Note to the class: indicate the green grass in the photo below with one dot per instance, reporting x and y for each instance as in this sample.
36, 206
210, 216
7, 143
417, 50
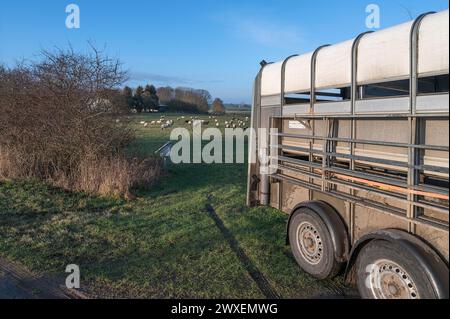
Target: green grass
164, 244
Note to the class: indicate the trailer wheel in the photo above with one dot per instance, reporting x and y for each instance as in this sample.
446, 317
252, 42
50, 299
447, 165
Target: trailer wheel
385, 271
312, 245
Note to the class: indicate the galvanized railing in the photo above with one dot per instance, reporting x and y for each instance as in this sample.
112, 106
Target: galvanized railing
327, 169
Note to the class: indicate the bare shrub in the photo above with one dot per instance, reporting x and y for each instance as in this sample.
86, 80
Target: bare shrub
58, 117
116, 175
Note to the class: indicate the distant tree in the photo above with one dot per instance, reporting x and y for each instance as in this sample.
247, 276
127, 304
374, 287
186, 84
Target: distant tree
180, 106
128, 96
204, 99
150, 98
138, 99
218, 106
199, 98
150, 89
165, 94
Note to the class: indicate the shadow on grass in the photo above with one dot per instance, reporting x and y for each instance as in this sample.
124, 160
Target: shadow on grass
246, 262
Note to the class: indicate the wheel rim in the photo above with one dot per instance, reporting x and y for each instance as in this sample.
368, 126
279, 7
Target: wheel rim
388, 280
309, 243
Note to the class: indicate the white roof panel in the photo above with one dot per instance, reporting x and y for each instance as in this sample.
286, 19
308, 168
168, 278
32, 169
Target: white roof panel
382, 56
298, 74
334, 66
433, 44
271, 79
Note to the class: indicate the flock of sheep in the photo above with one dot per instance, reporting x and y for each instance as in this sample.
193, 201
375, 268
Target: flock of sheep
161, 122
194, 120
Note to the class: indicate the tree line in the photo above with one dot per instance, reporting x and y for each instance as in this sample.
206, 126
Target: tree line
141, 99
181, 99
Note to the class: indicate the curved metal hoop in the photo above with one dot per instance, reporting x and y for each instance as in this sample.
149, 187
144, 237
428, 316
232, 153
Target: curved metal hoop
283, 80
313, 77
413, 60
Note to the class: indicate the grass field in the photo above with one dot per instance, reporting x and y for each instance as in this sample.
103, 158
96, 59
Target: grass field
190, 236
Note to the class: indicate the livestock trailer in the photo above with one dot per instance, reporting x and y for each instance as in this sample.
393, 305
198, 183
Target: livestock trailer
357, 140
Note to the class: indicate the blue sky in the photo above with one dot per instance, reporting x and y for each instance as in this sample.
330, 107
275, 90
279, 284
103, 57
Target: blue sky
215, 45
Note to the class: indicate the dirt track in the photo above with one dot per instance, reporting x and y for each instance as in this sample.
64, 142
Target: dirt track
18, 283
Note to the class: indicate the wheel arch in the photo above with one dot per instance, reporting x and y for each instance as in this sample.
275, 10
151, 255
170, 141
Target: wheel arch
428, 258
334, 223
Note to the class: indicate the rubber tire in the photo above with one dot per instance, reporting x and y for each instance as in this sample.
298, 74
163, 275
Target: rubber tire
328, 267
381, 249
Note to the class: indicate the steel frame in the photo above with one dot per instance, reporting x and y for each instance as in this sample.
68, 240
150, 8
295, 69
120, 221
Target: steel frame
416, 146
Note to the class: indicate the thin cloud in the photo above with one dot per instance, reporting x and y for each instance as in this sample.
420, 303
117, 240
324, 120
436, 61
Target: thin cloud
166, 79
263, 31
268, 34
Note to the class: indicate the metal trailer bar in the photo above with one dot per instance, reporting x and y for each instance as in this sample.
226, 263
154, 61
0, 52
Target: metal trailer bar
368, 142
312, 101
282, 103
392, 211
431, 168
368, 116
256, 122
415, 124
370, 177
353, 98
353, 186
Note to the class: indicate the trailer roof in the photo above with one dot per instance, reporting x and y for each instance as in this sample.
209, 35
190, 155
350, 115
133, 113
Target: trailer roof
382, 56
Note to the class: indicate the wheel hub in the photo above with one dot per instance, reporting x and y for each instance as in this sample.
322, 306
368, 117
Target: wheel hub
309, 243
387, 280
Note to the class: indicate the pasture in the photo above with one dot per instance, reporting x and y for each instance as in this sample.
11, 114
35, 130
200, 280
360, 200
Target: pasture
190, 236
